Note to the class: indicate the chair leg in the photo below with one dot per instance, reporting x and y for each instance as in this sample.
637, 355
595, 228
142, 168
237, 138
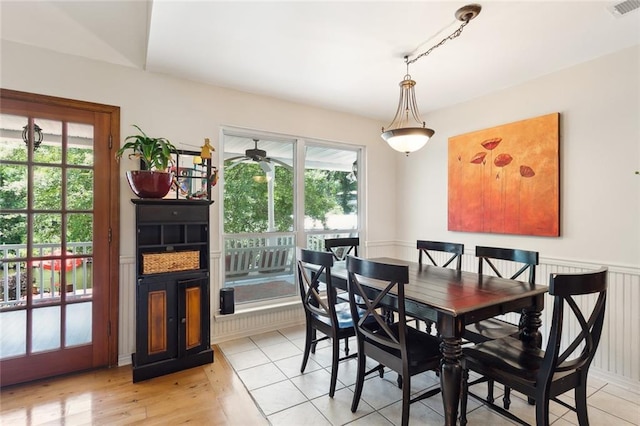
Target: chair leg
406, 397
400, 381
506, 399
334, 365
490, 391
464, 394
581, 404
359, 379
542, 409
313, 341
346, 346
307, 348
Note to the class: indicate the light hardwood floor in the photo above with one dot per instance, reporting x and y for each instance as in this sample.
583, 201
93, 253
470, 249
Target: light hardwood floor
211, 394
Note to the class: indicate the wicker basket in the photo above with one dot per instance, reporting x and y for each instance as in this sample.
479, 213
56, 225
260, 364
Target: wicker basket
155, 263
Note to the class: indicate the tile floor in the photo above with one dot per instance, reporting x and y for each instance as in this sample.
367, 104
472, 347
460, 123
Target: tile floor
269, 366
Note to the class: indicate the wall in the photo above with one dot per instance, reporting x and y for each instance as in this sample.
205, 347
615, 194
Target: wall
599, 103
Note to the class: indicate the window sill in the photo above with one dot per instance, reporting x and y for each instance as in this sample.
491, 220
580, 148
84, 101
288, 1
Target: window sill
258, 309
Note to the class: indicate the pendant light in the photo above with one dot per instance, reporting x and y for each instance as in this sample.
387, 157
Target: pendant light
407, 132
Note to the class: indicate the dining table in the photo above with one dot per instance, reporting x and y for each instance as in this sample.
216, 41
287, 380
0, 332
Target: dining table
453, 299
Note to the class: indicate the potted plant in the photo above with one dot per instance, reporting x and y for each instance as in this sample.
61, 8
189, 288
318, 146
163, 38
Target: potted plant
154, 181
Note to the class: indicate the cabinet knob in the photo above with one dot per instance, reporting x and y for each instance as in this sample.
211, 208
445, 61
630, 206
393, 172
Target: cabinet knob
175, 213
184, 320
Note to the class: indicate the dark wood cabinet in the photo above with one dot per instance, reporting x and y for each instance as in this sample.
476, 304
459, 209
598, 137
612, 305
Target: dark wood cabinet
172, 287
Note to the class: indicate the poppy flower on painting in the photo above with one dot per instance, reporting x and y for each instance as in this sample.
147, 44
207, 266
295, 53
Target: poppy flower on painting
478, 158
503, 160
490, 144
526, 171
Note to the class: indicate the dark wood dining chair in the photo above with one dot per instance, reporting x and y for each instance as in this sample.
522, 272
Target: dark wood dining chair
495, 328
323, 313
342, 247
401, 348
425, 247
543, 375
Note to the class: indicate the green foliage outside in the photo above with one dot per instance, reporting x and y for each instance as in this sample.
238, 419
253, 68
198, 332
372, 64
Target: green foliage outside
246, 201
47, 195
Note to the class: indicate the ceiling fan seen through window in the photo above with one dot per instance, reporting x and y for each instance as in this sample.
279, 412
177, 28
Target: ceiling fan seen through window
259, 156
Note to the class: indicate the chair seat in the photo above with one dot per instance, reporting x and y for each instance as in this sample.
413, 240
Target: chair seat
422, 347
509, 355
490, 329
343, 314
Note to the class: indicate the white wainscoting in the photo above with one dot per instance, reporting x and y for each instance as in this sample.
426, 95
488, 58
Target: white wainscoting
617, 360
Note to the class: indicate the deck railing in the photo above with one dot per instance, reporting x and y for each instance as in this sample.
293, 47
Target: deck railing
263, 255
46, 282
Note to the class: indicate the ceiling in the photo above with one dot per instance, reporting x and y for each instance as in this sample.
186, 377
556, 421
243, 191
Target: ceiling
340, 55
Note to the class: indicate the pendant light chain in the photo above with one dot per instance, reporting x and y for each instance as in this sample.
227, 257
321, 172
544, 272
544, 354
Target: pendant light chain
453, 35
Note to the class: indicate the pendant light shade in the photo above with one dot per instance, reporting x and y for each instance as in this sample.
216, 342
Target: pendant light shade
407, 132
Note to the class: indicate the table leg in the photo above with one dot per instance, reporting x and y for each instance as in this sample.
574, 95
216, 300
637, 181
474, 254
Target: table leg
450, 376
530, 323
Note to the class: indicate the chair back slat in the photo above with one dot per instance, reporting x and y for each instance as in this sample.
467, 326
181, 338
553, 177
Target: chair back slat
566, 290
318, 297
342, 247
530, 259
367, 310
456, 249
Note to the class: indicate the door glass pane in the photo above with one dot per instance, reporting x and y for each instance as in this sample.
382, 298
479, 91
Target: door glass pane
49, 132
80, 144
13, 231
12, 145
79, 189
13, 282
78, 324
15, 342
13, 184
46, 329
47, 188
47, 229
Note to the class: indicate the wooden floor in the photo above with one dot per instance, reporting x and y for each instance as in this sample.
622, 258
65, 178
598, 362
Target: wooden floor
211, 394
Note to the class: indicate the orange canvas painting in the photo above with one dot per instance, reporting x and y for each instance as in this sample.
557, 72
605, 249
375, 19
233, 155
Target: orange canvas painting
506, 179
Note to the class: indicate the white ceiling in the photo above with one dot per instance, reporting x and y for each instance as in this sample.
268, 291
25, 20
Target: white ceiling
341, 55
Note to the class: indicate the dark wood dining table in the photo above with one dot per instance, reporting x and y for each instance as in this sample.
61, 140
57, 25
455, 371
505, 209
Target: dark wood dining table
453, 299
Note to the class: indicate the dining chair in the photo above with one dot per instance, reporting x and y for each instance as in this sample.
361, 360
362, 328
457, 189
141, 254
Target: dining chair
342, 247
424, 250
401, 348
563, 365
322, 312
494, 328
456, 249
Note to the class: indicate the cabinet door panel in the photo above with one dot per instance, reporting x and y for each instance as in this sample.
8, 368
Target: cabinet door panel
193, 309
193, 317
157, 322
156, 334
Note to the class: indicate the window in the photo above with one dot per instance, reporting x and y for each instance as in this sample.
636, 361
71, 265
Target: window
279, 192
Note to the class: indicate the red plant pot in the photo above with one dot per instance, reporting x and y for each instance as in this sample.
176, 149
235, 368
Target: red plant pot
149, 184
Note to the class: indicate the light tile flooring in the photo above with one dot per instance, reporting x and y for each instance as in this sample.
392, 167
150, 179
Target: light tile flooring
269, 366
